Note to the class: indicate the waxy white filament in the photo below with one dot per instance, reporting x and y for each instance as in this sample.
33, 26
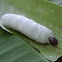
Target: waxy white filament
28, 27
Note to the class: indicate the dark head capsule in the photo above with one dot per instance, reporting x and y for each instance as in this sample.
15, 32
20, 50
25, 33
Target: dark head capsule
53, 41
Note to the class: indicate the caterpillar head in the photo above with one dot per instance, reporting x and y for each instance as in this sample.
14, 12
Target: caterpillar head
53, 41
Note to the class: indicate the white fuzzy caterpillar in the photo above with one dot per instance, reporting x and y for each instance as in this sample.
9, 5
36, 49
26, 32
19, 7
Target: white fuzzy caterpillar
28, 27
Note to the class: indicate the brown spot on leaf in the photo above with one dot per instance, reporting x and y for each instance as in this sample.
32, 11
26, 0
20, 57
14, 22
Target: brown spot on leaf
57, 47
19, 8
60, 27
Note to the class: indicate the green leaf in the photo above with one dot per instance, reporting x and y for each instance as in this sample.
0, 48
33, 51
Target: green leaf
15, 49
58, 2
43, 12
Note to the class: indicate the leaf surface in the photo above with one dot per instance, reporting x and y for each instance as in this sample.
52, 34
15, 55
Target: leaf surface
15, 49
58, 2
43, 12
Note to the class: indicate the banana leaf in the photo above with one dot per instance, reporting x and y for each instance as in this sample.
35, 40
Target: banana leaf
15, 49
58, 2
43, 12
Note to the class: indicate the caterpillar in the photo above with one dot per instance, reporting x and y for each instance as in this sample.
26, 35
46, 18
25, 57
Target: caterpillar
28, 27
